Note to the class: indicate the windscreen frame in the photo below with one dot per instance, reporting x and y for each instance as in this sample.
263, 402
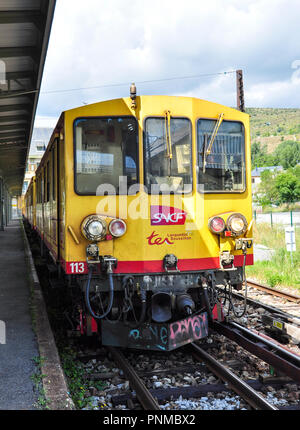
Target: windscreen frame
191, 155
201, 191
137, 184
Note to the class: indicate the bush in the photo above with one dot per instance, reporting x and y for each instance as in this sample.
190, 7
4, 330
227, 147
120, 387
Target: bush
274, 279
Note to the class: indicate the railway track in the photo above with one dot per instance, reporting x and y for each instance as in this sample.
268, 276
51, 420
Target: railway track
273, 291
269, 308
284, 361
143, 394
282, 317
243, 389
270, 352
256, 343
150, 399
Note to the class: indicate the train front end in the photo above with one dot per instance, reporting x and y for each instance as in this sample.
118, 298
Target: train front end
158, 216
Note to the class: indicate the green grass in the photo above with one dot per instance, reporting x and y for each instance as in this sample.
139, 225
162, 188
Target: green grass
77, 383
279, 271
37, 378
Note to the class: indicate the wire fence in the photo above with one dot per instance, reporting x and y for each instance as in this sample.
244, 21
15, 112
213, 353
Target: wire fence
290, 218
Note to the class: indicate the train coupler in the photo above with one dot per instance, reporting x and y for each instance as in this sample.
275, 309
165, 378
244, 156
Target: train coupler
108, 263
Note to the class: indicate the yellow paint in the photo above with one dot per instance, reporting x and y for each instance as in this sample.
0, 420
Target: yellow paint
196, 241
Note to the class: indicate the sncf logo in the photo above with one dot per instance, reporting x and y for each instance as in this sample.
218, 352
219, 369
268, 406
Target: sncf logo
165, 215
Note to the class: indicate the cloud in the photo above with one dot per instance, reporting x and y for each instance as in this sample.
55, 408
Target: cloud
45, 121
99, 42
286, 91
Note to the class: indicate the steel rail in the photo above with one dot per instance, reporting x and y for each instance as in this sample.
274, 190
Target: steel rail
282, 360
143, 394
274, 292
239, 386
294, 319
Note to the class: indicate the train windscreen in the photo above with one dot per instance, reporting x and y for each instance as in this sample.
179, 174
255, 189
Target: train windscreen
106, 155
168, 155
222, 169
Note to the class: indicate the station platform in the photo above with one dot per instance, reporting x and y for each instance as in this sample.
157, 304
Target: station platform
18, 345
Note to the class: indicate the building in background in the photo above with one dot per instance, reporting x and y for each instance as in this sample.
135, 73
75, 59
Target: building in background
255, 174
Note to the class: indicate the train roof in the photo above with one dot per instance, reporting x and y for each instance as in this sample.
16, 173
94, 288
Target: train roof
145, 99
160, 100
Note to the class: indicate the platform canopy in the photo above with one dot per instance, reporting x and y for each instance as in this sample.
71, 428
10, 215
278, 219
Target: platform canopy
24, 35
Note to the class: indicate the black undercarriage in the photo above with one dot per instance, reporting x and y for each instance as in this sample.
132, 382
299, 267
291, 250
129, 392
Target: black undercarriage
156, 311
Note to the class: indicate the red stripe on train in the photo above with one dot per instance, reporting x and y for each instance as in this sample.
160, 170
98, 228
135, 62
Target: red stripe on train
154, 266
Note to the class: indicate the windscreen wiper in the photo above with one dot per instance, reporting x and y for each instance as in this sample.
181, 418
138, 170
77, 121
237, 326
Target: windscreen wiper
207, 151
169, 153
168, 133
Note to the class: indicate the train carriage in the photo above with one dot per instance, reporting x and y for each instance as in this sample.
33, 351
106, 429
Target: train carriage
145, 205
29, 205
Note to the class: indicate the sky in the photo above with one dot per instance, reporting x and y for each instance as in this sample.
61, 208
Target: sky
104, 43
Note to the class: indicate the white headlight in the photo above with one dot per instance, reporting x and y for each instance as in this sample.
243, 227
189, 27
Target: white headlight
237, 223
93, 228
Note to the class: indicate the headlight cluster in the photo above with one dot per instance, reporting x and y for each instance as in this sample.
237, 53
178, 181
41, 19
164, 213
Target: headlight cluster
94, 228
236, 224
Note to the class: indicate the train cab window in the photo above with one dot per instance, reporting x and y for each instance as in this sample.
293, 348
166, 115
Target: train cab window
223, 168
168, 156
106, 156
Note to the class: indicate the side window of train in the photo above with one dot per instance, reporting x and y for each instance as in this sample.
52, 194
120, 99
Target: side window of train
168, 159
223, 168
38, 189
106, 155
45, 184
53, 158
48, 181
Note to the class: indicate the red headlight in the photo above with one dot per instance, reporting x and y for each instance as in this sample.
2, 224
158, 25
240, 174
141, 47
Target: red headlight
117, 228
216, 224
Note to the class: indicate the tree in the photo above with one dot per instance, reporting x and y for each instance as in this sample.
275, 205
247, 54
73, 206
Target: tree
287, 186
266, 194
287, 154
296, 171
277, 188
260, 157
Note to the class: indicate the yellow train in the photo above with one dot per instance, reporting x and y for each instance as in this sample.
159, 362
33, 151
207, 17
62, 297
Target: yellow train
144, 203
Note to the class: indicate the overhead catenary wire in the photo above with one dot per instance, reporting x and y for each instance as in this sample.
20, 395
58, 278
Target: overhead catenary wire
139, 82
150, 81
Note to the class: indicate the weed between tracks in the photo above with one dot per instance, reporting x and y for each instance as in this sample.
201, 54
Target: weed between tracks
279, 271
78, 382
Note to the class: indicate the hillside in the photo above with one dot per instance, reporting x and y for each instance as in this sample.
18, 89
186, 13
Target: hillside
271, 126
